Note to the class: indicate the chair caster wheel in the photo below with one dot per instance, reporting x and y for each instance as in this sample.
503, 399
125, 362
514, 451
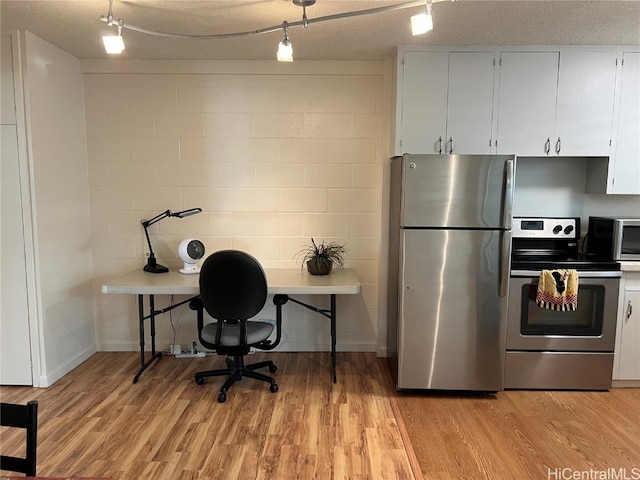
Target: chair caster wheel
228, 362
200, 380
273, 387
273, 369
222, 397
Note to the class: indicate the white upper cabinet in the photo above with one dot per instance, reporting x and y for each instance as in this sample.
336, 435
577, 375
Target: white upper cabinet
626, 161
470, 106
527, 102
446, 102
556, 103
573, 102
424, 102
584, 117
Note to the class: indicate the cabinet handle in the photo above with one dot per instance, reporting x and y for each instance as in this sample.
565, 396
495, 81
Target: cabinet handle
629, 310
558, 146
440, 145
547, 146
450, 145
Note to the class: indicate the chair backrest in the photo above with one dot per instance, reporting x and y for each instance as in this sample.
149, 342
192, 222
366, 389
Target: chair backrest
26, 417
233, 285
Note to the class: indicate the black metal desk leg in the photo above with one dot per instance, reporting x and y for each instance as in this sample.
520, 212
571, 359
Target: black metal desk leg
152, 319
333, 336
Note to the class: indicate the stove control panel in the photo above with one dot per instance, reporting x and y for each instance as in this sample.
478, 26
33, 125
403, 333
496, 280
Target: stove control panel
567, 228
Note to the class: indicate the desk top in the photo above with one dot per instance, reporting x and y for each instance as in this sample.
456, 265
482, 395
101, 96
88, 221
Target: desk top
279, 280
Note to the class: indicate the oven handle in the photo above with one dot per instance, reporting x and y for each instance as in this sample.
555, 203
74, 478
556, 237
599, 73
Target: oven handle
581, 274
505, 255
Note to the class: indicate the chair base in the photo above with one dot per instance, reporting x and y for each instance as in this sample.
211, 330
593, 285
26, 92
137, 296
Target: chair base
237, 369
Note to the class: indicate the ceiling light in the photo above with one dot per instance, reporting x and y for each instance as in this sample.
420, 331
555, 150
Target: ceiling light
285, 49
113, 44
285, 45
422, 22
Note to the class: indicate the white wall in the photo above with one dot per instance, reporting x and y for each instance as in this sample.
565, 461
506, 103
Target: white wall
274, 154
57, 165
555, 187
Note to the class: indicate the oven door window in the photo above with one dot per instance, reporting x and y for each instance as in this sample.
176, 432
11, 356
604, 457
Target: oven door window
585, 321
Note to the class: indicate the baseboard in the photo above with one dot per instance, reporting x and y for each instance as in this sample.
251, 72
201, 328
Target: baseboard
285, 346
625, 384
50, 378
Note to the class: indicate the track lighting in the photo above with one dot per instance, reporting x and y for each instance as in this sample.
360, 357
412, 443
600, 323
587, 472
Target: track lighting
285, 49
422, 22
113, 44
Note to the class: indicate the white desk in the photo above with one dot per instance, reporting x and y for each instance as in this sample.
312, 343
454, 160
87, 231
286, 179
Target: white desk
281, 282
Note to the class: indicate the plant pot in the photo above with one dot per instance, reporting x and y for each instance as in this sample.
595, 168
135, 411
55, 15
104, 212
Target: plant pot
319, 266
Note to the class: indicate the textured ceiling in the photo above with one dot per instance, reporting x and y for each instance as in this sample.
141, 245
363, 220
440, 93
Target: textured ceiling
75, 26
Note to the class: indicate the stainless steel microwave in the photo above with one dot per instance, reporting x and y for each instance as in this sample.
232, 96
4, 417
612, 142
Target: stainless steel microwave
614, 238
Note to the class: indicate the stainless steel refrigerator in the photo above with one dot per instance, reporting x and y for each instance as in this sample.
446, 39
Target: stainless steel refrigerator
450, 248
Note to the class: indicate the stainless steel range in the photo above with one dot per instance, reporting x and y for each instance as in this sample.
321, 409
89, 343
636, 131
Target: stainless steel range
548, 349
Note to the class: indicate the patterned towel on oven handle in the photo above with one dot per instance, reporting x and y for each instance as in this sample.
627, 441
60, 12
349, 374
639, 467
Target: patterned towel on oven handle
558, 290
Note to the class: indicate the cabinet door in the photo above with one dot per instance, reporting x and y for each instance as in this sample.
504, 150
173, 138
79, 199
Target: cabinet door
629, 351
470, 105
584, 116
527, 102
424, 101
627, 155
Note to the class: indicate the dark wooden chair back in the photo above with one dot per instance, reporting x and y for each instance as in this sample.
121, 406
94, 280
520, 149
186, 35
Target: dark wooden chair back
26, 417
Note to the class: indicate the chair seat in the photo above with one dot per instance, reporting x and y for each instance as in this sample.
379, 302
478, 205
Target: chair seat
256, 333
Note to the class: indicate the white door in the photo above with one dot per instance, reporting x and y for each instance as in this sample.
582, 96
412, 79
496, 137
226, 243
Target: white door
424, 102
627, 155
15, 346
527, 102
470, 105
584, 117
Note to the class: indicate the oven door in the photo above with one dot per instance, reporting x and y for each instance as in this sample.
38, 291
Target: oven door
591, 328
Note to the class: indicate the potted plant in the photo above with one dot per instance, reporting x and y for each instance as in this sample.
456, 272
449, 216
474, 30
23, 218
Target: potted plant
320, 258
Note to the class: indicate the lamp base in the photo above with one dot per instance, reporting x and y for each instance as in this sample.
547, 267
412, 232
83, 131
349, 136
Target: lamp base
157, 268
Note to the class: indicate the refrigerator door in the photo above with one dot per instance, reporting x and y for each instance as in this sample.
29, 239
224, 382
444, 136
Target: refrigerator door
461, 191
452, 318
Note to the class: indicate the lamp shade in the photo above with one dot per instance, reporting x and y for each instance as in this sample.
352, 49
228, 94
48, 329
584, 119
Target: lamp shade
421, 23
285, 51
113, 44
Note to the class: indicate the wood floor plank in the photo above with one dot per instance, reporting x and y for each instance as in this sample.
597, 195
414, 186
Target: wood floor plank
95, 422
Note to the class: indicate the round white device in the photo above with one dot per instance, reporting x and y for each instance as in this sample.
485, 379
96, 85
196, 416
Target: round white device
191, 250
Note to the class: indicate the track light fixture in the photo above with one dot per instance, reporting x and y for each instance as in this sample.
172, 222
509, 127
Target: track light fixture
113, 44
425, 19
422, 22
285, 49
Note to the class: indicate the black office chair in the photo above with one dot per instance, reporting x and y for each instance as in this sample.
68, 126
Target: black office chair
233, 289
26, 417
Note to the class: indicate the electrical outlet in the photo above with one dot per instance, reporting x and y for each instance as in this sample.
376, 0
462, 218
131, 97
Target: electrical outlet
175, 349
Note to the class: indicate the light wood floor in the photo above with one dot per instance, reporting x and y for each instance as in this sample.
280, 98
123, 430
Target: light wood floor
525, 434
94, 422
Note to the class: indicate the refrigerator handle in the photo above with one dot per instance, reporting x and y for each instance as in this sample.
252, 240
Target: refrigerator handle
507, 208
505, 259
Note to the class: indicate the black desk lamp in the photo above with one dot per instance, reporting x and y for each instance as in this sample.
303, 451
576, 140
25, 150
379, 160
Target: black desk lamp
151, 265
